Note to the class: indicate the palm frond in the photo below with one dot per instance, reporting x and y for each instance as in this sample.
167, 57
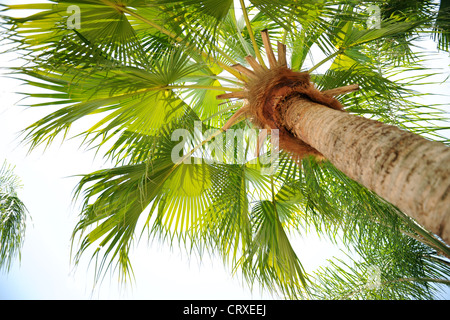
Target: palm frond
270, 259
137, 71
13, 216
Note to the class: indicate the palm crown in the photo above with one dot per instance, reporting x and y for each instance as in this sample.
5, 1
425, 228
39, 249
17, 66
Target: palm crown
135, 71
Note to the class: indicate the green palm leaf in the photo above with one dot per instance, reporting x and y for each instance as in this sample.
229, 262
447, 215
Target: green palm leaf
13, 215
271, 259
137, 71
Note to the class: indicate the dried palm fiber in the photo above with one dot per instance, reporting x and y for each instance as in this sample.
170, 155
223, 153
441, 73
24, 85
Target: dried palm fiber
267, 92
266, 96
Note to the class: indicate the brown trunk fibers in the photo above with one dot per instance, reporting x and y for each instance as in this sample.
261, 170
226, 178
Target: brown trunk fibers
405, 169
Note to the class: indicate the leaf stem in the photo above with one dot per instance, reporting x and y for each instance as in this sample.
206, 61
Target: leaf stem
229, 108
250, 32
218, 88
331, 56
128, 94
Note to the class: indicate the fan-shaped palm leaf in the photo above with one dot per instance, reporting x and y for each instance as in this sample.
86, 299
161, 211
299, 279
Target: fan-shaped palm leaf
143, 69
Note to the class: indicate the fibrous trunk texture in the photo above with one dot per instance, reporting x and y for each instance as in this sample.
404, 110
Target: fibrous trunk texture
407, 170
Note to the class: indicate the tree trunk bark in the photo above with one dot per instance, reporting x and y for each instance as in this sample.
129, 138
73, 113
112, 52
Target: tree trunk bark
405, 169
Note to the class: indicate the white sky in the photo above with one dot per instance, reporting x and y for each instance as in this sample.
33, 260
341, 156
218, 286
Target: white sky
46, 272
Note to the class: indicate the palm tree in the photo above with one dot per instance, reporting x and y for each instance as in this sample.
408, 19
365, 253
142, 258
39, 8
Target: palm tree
12, 217
138, 71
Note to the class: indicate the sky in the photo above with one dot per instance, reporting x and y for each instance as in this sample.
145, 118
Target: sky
46, 270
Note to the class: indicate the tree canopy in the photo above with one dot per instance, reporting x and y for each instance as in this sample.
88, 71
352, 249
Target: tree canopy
135, 71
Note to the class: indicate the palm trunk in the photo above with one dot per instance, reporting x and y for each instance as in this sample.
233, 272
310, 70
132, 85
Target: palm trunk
405, 169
